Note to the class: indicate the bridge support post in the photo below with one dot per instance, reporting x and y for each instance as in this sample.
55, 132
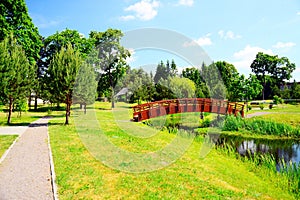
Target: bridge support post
201, 115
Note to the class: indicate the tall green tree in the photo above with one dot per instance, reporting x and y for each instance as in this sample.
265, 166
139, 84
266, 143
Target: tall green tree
53, 44
14, 18
17, 75
85, 88
112, 57
194, 74
228, 73
161, 72
278, 68
61, 76
244, 89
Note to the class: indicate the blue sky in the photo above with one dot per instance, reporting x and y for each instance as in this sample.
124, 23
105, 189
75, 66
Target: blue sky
230, 30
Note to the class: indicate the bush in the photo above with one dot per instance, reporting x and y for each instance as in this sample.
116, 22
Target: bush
277, 100
261, 106
233, 123
249, 107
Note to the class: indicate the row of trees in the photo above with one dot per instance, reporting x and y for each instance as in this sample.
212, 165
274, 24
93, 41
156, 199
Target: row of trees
63, 67
67, 67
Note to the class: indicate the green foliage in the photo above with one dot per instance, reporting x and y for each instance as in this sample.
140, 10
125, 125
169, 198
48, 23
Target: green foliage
85, 88
259, 126
61, 76
261, 106
21, 106
277, 100
182, 87
194, 74
112, 59
14, 18
279, 69
233, 123
17, 75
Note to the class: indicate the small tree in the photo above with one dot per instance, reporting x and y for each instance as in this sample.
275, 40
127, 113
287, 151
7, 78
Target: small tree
85, 88
17, 75
61, 76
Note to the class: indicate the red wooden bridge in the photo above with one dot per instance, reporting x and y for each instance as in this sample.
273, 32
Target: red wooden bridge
165, 107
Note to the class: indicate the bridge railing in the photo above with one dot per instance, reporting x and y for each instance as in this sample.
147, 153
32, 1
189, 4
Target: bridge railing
159, 108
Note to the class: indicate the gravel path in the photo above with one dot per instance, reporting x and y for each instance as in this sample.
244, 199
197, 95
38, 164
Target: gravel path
12, 130
25, 173
257, 114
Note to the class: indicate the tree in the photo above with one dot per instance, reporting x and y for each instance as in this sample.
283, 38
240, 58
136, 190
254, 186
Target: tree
278, 68
53, 44
161, 72
175, 87
17, 75
244, 89
112, 57
85, 87
194, 74
61, 76
14, 19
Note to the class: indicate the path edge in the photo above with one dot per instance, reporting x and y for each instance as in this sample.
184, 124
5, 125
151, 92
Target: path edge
52, 171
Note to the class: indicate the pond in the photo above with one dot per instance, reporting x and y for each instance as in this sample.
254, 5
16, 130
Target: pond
289, 150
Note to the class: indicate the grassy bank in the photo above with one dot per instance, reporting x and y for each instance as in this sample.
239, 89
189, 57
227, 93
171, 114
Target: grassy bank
5, 142
217, 176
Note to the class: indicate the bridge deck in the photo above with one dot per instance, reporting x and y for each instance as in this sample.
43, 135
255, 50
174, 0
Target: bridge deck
165, 107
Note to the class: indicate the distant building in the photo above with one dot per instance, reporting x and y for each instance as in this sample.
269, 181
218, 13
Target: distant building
287, 85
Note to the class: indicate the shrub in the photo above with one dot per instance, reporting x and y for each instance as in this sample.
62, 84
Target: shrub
249, 107
233, 123
261, 106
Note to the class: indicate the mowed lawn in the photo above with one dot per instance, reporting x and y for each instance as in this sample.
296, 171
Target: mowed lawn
79, 175
5, 142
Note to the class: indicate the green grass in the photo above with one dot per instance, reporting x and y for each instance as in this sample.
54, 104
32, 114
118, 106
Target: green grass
217, 176
5, 142
25, 119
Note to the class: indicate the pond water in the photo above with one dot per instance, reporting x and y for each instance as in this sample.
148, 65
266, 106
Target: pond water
289, 150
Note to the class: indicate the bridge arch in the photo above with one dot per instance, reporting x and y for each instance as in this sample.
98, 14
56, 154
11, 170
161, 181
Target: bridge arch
166, 107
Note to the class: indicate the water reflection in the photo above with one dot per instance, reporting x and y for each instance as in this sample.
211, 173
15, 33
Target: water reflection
289, 150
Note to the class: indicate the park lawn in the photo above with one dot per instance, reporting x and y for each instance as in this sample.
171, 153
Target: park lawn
217, 176
5, 142
25, 119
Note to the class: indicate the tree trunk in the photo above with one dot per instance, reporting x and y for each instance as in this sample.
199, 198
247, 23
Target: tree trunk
112, 98
67, 115
10, 110
85, 109
29, 101
35, 102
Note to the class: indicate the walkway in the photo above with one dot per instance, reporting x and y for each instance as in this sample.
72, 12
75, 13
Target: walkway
25, 173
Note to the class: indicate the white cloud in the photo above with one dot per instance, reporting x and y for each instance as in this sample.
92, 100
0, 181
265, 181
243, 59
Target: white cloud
298, 13
186, 2
244, 57
127, 17
143, 10
202, 41
281, 45
228, 35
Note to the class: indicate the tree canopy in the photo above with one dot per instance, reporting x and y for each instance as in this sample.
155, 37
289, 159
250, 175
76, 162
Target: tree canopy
17, 75
61, 76
112, 59
14, 19
279, 69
